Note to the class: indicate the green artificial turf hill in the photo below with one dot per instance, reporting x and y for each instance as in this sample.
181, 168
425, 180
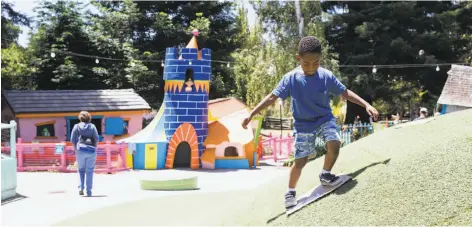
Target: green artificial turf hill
413, 174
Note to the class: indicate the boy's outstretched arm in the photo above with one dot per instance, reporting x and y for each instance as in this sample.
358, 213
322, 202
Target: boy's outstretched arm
353, 97
266, 102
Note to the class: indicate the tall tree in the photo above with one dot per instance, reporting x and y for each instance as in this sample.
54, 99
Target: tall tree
11, 22
16, 69
60, 30
122, 44
270, 51
464, 20
381, 33
17, 72
111, 33
159, 25
116, 30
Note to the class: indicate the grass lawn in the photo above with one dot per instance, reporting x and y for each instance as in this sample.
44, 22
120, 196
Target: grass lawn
412, 175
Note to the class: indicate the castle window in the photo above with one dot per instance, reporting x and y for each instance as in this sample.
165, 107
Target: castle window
189, 82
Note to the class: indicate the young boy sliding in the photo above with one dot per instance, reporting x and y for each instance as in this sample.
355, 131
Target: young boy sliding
309, 86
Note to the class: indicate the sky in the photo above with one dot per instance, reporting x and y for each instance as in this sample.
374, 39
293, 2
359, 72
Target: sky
27, 6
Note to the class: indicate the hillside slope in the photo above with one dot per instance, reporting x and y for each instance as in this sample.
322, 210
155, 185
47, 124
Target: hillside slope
417, 174
427, 180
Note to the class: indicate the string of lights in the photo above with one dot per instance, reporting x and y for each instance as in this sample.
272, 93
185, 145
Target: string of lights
399, 65
98, 58
374, 67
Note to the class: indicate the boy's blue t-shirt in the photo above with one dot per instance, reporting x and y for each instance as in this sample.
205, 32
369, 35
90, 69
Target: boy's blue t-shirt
310, 97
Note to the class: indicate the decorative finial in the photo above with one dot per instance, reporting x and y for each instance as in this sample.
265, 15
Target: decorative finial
195, 32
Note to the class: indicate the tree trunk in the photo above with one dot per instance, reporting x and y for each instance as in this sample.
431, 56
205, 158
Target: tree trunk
299, 18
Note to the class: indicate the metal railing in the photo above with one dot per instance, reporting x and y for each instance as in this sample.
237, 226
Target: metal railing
280, 148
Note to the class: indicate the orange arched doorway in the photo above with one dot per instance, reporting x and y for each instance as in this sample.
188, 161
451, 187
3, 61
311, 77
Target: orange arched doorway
184, 139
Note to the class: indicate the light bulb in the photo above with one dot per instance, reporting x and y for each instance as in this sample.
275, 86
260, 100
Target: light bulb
190, 62
162, 64
97, 61
437, 68
53, 54
421, 52
374, 70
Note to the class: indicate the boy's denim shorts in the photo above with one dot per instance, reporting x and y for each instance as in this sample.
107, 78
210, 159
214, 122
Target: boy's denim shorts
307, 143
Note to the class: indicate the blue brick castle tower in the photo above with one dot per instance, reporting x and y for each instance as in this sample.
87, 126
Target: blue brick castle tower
187, 83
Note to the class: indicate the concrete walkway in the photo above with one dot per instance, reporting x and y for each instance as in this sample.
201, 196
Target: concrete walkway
52, 197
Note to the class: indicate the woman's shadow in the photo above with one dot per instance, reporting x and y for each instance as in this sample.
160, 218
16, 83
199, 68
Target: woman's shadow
344, 188
95, 196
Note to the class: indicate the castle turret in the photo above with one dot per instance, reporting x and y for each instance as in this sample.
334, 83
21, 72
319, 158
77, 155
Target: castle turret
187, 83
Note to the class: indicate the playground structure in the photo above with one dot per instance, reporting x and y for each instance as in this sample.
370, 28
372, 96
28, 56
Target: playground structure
184, 132
114, 157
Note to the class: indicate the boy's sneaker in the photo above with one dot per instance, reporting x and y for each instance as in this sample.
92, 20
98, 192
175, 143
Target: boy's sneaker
329, 179
290, 199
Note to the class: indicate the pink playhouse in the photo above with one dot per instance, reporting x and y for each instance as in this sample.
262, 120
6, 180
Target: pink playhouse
45, 120
47, 116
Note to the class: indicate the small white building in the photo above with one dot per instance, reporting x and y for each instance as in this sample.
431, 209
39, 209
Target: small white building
457, 92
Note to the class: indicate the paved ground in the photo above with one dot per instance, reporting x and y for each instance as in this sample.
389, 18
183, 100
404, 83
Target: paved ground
52, 197
415, 175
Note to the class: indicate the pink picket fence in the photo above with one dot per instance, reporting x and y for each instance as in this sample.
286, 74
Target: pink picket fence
60, 157
277, 148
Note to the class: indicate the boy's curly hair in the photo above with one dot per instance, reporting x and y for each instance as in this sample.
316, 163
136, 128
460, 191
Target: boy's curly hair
309, 44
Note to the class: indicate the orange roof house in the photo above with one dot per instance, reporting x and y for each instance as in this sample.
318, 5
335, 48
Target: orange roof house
227, 139
223, 107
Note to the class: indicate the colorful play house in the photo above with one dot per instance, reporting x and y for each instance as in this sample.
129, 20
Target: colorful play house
184, 133
48, 116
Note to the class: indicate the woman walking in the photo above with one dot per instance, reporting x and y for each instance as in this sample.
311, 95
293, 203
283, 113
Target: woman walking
84, 138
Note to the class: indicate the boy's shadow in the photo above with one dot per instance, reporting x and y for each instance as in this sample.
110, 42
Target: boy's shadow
344, 188
353, 182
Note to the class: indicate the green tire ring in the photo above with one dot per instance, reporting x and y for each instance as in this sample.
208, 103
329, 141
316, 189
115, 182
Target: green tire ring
180, 184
